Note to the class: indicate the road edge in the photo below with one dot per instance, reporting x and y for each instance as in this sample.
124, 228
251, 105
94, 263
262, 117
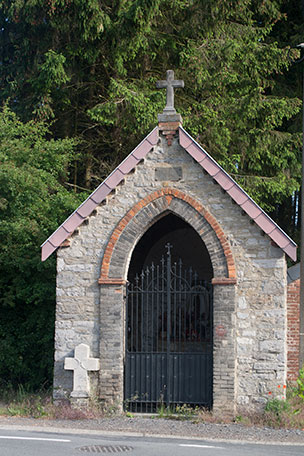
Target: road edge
101, 432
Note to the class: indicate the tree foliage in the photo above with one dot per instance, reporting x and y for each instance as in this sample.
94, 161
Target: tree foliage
93, 66
90, 68
33, 201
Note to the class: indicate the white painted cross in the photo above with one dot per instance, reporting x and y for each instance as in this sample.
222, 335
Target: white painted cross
81, 364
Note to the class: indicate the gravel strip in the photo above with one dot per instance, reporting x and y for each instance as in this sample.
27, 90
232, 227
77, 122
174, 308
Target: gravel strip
164, 427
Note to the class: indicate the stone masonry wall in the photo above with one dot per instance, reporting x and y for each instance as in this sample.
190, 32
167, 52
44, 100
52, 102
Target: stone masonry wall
293, 330
255, 332
77, 316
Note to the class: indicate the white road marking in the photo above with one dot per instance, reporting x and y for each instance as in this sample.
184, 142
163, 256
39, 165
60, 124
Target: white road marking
200, 446
12, 437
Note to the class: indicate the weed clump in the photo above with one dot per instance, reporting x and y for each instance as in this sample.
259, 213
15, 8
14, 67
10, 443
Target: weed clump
22, 403
279, 412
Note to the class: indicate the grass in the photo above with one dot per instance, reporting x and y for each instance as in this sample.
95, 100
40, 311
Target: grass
278, 413
22, 403
179, 412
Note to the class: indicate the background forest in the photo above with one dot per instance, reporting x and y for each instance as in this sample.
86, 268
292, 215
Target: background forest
78, 93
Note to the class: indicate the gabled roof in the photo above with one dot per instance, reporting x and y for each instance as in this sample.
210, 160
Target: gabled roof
87, 207
278, 236
241, 198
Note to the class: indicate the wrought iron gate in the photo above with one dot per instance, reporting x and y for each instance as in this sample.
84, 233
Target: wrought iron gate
168, 338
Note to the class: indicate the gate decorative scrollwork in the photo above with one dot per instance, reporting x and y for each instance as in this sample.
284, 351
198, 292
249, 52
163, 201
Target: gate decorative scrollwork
168, 338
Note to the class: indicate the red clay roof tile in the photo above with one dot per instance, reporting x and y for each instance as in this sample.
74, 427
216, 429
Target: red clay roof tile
128, 164
72, 222
87, 207
101, 193
59, 236
210, 166
223, 180
195, 153
115, 178
47, 250
237, 194
291, 251
278, 237
153, 137
142, 150
265, 223
184, 139
251, 208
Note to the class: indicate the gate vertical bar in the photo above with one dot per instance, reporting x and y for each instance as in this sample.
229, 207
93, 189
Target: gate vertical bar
169, 246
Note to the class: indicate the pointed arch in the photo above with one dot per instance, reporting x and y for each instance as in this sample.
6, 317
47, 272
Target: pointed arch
147, 211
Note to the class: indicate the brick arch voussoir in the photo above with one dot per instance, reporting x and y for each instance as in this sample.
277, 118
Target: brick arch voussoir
114, 247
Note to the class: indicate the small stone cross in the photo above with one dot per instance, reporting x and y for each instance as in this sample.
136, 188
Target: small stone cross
170, 83
81, 364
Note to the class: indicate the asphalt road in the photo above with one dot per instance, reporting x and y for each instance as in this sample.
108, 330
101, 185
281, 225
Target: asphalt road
30, 443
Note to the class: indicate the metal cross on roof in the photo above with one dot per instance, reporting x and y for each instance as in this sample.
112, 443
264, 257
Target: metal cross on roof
170, 83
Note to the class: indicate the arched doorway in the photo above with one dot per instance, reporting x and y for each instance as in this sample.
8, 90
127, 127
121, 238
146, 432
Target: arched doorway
169, 313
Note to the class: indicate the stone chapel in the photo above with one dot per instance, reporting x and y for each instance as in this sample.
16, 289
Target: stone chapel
171, 284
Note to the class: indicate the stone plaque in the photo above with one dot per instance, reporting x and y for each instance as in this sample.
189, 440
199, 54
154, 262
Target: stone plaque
172, 173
